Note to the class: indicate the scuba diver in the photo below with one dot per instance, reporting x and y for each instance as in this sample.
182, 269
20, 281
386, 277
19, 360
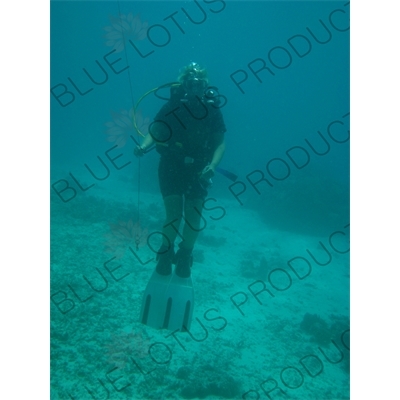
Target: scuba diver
188, 133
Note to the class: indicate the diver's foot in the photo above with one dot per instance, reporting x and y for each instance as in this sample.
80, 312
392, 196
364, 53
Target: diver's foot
165, 256
183, 261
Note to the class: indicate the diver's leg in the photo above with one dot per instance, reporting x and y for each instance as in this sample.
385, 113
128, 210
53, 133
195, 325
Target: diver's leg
165, 255
173, 210
194, 223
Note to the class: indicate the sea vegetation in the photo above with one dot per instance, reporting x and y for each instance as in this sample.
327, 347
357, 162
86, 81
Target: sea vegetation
255, 265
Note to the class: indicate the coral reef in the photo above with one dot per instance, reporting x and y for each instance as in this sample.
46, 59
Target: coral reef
306, 203
255, 265
317, 328
124, 345
321, 331
212, 241
198, 256
213, 383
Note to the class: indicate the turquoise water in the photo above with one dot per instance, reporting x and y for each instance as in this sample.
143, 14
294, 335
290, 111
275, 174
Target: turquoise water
271, 265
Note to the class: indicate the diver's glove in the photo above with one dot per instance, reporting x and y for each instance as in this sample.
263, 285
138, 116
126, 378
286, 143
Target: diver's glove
139, 151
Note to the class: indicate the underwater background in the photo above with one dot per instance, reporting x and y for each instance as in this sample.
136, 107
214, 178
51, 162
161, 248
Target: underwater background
271, 265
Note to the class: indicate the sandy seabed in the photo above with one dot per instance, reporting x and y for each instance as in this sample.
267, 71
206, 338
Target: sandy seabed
271, 317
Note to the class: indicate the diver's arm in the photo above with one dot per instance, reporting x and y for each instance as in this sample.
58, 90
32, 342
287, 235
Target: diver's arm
209, 171
218, 154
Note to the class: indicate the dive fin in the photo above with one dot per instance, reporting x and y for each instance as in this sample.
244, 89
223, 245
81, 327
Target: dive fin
168, 302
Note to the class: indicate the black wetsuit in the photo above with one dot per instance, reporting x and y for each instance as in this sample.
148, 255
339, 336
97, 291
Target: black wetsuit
187, 132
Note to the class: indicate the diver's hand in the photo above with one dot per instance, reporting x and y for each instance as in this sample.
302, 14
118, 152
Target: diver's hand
139, 151
208, 172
